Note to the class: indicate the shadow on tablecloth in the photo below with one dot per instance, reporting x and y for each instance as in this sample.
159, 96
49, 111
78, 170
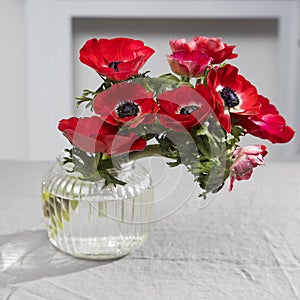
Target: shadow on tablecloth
28, 255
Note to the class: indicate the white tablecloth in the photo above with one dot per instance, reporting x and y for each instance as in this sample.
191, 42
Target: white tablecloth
242, 245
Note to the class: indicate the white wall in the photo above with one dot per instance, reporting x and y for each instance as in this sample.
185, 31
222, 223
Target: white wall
13, 118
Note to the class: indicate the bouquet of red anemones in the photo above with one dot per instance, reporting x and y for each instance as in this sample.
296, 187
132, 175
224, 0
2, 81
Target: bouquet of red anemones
193, 117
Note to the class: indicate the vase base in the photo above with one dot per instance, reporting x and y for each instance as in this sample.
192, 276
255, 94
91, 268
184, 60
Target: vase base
105, 248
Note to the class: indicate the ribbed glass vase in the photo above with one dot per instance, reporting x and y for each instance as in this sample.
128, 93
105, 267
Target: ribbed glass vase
88, 220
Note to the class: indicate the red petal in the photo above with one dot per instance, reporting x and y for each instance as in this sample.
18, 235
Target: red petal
123, 144
65, 124
98, 54
172, 101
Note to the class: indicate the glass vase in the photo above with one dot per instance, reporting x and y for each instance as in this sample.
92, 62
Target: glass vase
88, 220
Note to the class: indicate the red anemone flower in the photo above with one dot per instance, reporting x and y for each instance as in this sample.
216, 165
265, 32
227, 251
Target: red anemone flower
236, 93
182, 108
91, 134
126, 103
188, 64
267, 124
246, 159
216, 105
117, 59
212, 47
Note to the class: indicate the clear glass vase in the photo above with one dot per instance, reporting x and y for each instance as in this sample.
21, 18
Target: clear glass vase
88, 220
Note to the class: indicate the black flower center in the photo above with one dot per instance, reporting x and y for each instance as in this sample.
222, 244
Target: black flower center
230, 97
187, 110
114, 65
127, 109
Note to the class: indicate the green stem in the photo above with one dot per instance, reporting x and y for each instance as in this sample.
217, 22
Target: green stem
150, 150
185, 79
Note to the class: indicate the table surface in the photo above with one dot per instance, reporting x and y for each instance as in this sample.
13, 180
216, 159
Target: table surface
239, 245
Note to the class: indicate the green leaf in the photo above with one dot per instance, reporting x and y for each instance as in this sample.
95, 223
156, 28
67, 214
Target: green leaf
170, 76
59, 223
58, 209
74, 204
53, 220
66, 215
65, 205
110, 179
159, 85
54, 231
45, 196
237, 131
92, 166
174, 164
168, 148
